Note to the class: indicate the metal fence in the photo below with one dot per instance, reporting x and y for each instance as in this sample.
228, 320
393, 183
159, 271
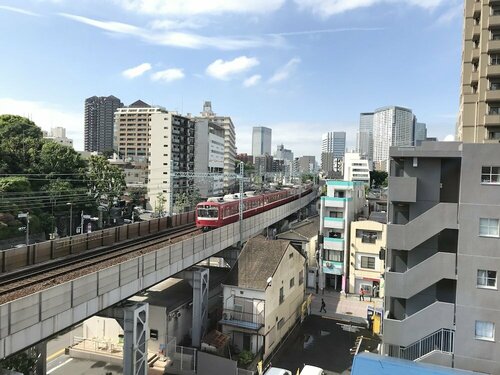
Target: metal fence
441, 340
184, 359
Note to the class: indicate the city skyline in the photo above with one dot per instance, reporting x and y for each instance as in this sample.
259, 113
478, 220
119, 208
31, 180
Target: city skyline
272, 66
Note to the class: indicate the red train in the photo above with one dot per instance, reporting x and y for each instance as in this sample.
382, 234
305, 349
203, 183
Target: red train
217, 212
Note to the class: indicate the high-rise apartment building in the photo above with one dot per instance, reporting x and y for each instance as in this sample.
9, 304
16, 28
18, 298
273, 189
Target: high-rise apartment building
443, 238
364, 141
132, 131
356, 168
99, 122
286, 157
261, 141
229, 141
392, 126
172, 139
479, 115
58, 135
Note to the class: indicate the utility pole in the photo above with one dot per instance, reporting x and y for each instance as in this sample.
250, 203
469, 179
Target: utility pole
70, 218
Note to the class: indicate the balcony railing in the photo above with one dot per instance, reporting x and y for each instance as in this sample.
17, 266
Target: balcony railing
442, 340
243, 319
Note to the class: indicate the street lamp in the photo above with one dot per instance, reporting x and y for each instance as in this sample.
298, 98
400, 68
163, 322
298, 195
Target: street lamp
70, 218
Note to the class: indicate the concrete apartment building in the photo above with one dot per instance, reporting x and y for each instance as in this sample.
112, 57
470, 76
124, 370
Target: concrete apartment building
209, 157
261, 141
364, 140
99, 122
263, 296
306, 164
368, 237
479, 115
392, 126
132, 131
172, 140
344, 202
442, 301
229, 141
356, 168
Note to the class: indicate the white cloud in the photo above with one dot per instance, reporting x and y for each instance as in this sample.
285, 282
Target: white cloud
178, 39
200, 7
225, 70
168, 75
284, 72
449, 138
47, 116
171, 24
136, 71
326, 8
19, 10
252, 81
450, 14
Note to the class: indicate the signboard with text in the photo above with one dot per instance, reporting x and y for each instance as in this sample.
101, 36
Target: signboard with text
333, 268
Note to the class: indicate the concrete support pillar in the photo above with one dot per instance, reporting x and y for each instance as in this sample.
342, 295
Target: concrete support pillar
200, 305
41, 361
136, 331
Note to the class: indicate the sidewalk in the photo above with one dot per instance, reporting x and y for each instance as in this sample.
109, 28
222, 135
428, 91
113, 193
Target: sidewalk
340, 307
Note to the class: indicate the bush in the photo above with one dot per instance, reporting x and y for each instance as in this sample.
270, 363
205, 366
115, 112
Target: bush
245, 358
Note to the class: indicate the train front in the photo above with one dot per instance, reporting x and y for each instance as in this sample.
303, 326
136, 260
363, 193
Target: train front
207, 215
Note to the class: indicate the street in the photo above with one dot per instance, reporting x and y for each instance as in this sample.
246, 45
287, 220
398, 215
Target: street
323, 342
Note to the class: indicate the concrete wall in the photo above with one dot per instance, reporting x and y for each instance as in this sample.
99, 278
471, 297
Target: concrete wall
33, 318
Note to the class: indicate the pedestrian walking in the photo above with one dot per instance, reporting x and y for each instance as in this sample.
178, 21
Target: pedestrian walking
323, 305
361, 294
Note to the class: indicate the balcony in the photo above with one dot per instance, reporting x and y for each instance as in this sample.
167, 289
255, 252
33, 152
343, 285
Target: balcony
335, 202
334, 222
493, 21
240, 319
470, 98
431, 222
492, 95
494, 45
475, 54
474, 77
430, 319
492, 120
403, 189
493, 70
406, 284
333, 243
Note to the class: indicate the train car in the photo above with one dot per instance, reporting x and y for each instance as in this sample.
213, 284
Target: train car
215, 213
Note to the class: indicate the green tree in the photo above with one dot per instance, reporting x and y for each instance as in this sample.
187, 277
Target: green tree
57, 159
378, 179
23, 362
181, 202
106, 182
20, 143
14, 184
160, 204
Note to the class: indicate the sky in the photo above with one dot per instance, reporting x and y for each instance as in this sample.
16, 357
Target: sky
300, 67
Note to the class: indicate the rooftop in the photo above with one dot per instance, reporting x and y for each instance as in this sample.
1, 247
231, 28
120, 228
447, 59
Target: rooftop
302, 231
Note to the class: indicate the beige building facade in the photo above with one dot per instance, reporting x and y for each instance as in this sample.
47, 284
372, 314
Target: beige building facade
367, 269
479, 116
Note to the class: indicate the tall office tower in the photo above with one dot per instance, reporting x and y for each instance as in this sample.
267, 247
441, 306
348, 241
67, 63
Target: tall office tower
442, 302
364, 142
392, 126
261, 141
132, 131
99, 122
209, 157
479, 114
332, 151
229, 141
172, 149
306, 164
419, 133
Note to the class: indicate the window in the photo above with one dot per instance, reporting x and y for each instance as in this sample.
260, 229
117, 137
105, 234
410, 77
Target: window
368, 262
281, 323
282, 295
292, 282
488, 227
334, 256
494, 109
495, 10
495, 59
490, 175
486, 279
495, 84
367, 236
495, 34
301, 277
485, 330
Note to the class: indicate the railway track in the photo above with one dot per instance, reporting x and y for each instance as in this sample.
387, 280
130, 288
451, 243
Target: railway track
46, 274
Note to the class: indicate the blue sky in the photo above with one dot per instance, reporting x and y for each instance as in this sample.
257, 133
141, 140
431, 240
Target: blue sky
301, 67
